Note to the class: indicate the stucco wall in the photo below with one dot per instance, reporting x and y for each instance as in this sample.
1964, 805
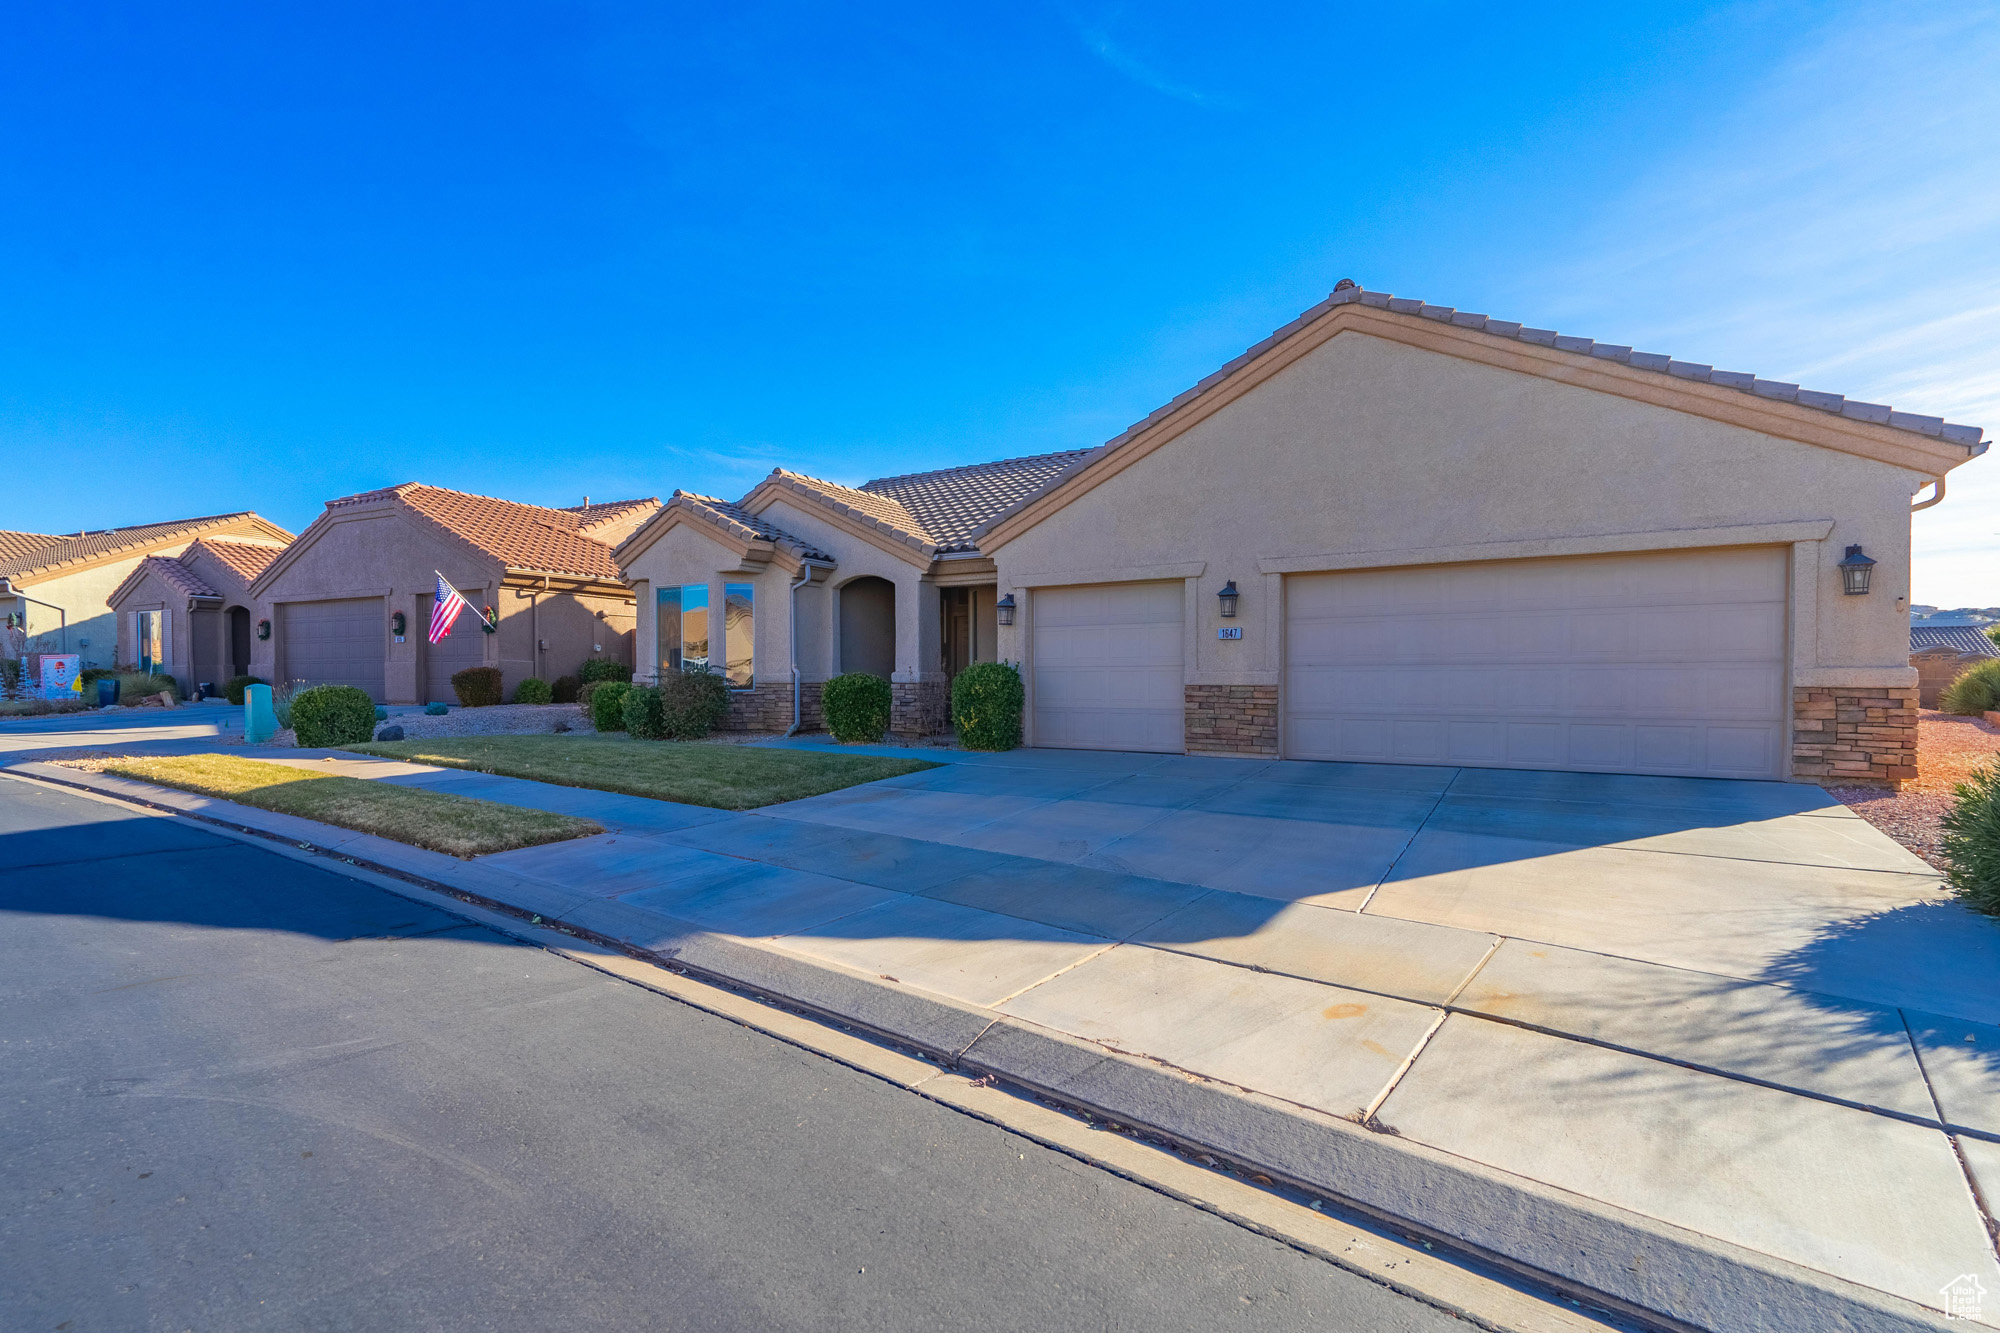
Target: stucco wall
918, 630
1368, 453
685, 554
85, 595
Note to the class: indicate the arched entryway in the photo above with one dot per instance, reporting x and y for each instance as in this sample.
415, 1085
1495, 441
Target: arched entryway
868, 626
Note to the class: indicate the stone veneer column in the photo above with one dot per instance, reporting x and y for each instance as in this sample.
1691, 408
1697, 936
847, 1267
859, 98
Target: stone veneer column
1232, 719
768, 707
1856, 735
919, 708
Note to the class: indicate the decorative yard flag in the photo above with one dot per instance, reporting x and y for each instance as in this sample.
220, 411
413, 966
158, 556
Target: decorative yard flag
448, 604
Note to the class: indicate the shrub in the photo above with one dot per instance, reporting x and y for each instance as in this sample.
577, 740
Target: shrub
986, 701
332, 715
604, 668
436, 710
1977, 690
237, 684
477, 687
565, 689
607, 705
136, 685
1971, 843
91, 675
534, 690
639, 712
692, 704
856, 706
11, 669
583, 693
281, 701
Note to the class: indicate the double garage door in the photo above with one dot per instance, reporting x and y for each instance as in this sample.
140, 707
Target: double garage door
336, 643
1667, 663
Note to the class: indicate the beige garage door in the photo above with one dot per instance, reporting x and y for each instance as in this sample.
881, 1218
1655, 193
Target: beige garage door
1669, 663
336, 643
1107, 673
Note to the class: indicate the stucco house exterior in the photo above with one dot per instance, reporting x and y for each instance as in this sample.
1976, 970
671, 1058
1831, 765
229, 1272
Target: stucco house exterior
1940, 653
192, 616
1394, 532
79, 572
350, 601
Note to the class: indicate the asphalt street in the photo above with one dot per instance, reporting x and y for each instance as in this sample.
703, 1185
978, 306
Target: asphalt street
241, 1092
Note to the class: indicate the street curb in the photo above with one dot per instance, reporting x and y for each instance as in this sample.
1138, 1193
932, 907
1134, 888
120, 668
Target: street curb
1669, 1277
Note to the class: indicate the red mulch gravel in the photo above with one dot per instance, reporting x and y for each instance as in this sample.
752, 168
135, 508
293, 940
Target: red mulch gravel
1948, 749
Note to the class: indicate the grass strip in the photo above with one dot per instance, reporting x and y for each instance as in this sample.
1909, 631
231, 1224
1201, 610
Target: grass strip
724, 777
456, 825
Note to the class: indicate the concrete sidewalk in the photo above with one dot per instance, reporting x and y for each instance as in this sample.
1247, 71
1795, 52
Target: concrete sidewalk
1716, 1143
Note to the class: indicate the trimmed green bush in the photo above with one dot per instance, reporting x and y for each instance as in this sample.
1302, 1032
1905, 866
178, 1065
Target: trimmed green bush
1971, 844
986, 701
436, 710
604, 668
856, 706
1976, 691
238, 684
565, 689
607, 704
639, 710
477, 687
91, 675
332, 715
534, 690
692, 704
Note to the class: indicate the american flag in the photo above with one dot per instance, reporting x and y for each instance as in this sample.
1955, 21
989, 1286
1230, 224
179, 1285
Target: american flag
445, 609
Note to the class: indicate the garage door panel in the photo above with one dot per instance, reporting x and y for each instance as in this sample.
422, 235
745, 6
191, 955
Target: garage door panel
336, 643
1667, 662
1108, 668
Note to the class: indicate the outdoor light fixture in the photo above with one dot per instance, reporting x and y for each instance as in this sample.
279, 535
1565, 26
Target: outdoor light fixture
398, 624
1004, 608
1855, 571
263, 629
489, 620
1228, 597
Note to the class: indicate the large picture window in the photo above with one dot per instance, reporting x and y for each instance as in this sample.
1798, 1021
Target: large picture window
683, 628
739, 634
152, 636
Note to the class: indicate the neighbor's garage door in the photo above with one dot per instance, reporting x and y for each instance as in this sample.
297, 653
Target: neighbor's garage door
1671, 663
1107, 671
336, 643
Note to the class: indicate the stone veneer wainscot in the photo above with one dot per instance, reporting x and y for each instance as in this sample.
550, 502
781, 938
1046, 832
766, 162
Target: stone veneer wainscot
1232, 719
1859, 735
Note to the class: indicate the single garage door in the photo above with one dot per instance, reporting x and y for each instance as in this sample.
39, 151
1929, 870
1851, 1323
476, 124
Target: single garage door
336, 643
464, 647
1671, 663
1107, 672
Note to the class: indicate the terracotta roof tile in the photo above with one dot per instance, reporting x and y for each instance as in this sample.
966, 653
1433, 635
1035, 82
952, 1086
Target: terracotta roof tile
883, 511
519, 536
170, 571
952, 502
746, 524
15, 545
246, 560
95, 545
592, 518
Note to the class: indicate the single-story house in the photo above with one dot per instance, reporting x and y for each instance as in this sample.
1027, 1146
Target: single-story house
1940, 653
192, 616
1392, 532
61, 585
350, 600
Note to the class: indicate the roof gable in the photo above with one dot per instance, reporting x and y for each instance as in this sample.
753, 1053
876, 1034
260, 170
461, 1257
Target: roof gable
739, 527
168, 570
518, 536
84, 550
880, 519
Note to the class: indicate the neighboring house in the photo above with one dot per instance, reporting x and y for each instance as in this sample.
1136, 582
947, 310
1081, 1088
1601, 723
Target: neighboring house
350, 601
192, 616
888, 580
78, 573
1941, 652
1452, 540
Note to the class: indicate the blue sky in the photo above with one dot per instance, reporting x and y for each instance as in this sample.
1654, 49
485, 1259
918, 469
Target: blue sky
252, 259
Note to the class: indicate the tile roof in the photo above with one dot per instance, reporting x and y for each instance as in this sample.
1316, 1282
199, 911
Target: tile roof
170, 571
15, 545
87, 546
1959, 638
950, 503
246, 560
884, 512
609, 512
519, 536
744, 523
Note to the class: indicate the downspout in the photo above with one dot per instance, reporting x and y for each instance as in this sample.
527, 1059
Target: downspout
7, 589
792, 638
1939, 495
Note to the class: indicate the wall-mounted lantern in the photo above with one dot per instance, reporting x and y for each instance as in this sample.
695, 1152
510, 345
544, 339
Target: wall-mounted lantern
263, 629
399, 625
1855, 571
1004, 609
489, 620
1228, 597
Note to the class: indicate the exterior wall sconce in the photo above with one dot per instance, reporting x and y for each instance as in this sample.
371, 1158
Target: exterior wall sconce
263, 629
1855, 571
1004, 609
489, 620
1228, 597
398, 625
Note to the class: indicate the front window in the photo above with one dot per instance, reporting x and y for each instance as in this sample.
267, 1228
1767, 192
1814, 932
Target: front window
739, 634
683, 628
152, 641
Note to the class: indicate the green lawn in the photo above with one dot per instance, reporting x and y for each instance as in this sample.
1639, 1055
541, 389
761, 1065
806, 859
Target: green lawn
453, 824
727, 777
